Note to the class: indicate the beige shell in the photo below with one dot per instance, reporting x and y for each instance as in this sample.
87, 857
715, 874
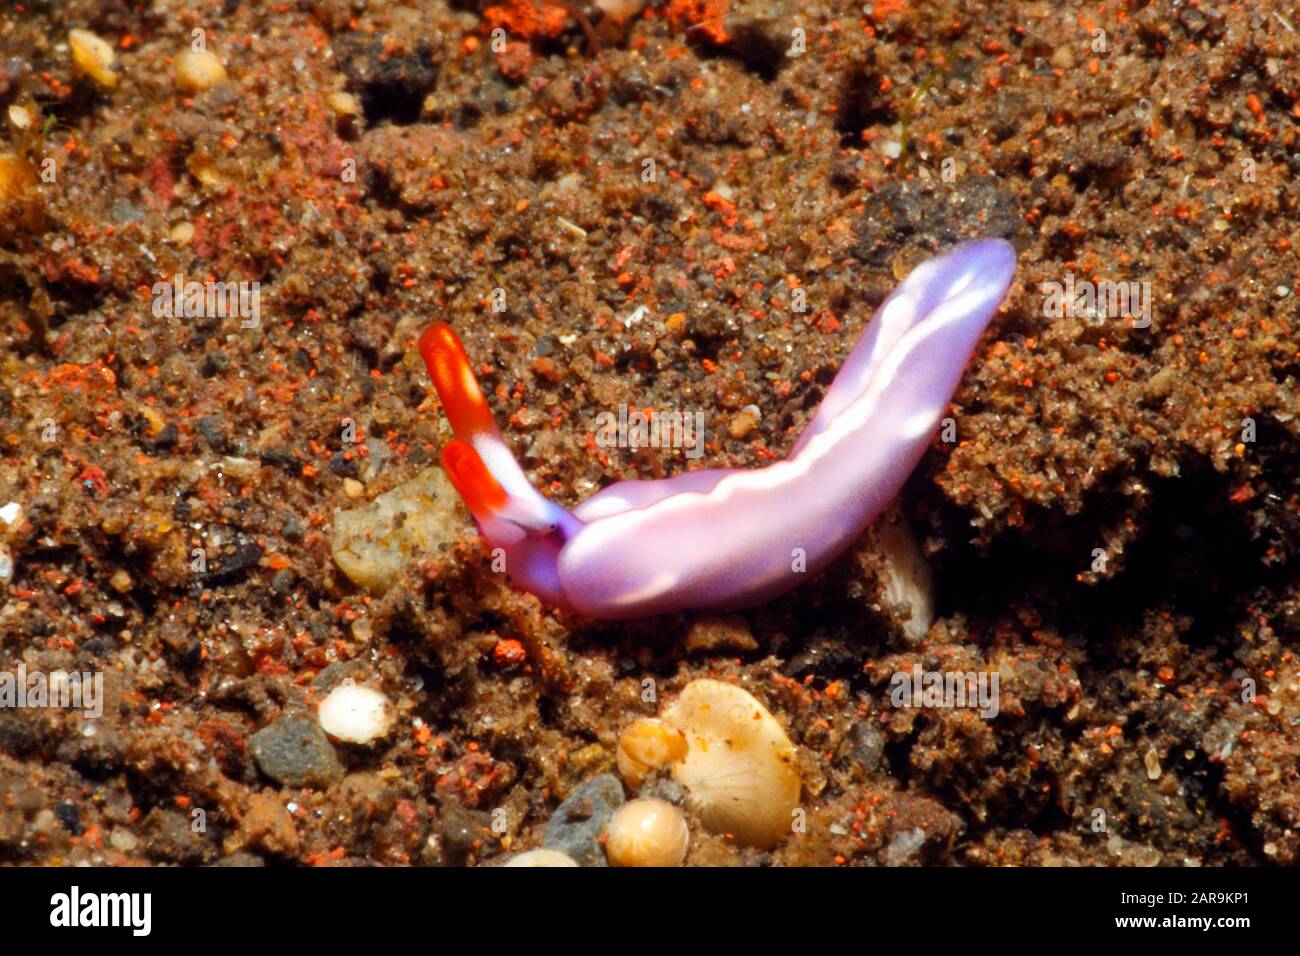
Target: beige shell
647, 832
17, 178
739, 771
92, 56
647, 744
198, 70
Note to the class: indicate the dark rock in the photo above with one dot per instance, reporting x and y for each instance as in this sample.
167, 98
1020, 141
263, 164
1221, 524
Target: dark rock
461, 828
96, 756
214, 363
230, 565
392, 85
69, 818
292, 529
294, 752
866, 746
212, 428
761, 34
578, 822
167, 437
171, 837
628, 85
825, 659
281, 458
344, 467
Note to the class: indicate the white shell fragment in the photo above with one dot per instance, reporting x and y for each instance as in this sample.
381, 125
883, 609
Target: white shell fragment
356, 714
908, 582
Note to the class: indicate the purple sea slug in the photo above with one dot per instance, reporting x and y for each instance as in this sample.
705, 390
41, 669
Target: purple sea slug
726, 538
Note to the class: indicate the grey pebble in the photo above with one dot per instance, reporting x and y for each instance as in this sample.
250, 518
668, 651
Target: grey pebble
867, 746
294, 752
902, 847
577, 823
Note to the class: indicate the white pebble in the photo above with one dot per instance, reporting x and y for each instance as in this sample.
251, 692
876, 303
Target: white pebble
355, 714
372, 544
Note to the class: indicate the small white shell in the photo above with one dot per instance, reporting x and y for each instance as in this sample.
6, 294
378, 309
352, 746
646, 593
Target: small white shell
739, 771
355, 714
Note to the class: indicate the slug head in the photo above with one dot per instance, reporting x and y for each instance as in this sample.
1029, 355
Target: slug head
511, 514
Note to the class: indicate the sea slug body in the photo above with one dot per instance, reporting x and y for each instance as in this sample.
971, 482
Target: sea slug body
731, 538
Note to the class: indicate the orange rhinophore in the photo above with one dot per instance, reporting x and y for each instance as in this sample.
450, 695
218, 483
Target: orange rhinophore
466, 407
481, 492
